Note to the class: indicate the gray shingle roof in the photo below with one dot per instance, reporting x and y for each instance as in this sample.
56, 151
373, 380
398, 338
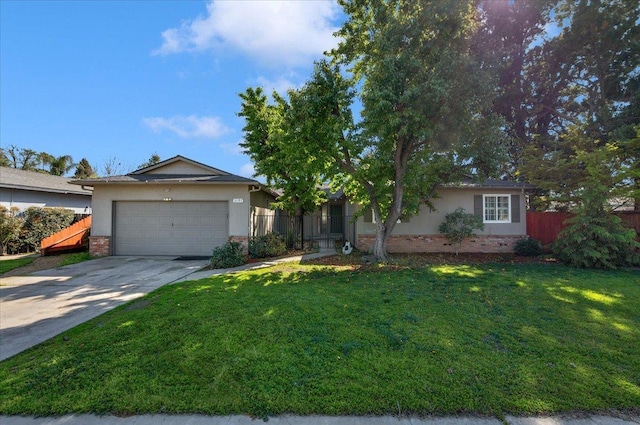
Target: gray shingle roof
491, 184
12, 178
167, 178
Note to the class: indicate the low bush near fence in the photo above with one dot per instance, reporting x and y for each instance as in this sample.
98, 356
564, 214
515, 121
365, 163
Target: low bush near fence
269, 245
23, 231
227, 256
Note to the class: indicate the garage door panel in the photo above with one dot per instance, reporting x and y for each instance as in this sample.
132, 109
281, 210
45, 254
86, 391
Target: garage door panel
170, 228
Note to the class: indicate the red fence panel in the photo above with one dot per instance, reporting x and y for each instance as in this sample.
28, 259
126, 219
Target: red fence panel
67, 238
545, 226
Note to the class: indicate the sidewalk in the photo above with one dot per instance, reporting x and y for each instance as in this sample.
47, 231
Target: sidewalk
312, 420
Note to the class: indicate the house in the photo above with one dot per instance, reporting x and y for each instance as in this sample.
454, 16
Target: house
24, 189
501, 204
178, 207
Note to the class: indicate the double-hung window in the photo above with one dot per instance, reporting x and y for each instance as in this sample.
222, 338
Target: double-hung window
496, 208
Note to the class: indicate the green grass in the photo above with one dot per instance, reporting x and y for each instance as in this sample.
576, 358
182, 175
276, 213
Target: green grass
489, 339
6, 265
77, 257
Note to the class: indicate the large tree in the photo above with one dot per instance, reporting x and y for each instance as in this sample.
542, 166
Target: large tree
84, 170
424, 101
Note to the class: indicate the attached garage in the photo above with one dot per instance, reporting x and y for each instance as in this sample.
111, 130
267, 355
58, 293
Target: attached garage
170, 228
178, 207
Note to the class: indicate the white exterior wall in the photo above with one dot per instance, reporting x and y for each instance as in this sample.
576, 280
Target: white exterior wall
23, 199
105, 195
427, 222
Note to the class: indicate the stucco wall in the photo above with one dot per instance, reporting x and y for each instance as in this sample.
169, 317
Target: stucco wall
23, 199
104, 195
427, 222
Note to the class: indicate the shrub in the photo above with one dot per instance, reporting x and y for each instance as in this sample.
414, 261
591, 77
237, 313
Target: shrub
529, 247
269, 245
42, 222
459, 226
227, 256
599, 242
10, 226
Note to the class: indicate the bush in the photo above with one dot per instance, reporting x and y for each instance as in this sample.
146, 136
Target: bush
459, 226
528, 247
599, 242
227, 256
269, 245
42, 222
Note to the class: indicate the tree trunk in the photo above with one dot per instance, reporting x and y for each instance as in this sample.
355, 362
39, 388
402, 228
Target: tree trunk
380, 243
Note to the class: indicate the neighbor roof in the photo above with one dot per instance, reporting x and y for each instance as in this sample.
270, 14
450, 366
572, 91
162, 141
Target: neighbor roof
12, 178
491, 184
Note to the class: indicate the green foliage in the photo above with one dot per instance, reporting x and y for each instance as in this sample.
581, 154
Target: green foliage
10, 225
424, 118
269, 245
42, 222
153, 160
84, 170
528, 247
595, 238
227, 256
459, 226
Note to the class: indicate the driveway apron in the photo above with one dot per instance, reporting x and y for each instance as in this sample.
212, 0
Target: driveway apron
43, 304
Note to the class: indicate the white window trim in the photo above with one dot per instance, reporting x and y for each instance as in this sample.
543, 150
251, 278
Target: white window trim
484, 207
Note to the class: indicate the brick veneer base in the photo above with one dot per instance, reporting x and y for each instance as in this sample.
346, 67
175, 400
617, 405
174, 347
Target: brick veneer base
99, 246
438, 243
243, 240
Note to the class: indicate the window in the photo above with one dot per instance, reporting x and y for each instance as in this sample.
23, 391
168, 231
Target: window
497, 208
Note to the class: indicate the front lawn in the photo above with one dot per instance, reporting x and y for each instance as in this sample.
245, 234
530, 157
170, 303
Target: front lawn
6, 265
486, 339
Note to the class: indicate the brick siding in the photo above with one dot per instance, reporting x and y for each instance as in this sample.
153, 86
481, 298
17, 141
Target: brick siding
438, 243
243, 240
99, 246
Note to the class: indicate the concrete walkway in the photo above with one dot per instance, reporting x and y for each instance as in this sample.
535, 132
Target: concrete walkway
313, 420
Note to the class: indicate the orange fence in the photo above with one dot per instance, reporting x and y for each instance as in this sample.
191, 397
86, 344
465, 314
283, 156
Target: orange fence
545, 226
66, 239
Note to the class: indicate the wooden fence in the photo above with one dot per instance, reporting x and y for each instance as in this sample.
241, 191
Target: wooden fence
545, 226
69, 238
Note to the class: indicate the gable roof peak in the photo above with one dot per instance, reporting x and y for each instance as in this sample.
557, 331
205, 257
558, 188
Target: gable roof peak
207, 169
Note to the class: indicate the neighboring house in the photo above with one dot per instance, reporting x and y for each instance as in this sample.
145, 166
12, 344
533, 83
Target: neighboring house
178, 207
501, 204
24, 189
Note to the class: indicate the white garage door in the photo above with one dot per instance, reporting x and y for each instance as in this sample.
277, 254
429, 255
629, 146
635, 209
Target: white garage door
170, 228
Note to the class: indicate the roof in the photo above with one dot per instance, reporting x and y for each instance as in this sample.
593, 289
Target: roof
167, 178
490, 184
12, 178
193, 172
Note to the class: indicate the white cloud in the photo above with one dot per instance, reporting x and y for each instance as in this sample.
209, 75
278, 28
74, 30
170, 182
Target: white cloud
278, 32
280, 84
231, 148
188, 127
247, 170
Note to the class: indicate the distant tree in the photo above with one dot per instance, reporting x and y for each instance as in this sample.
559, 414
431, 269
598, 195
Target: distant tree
84, 170
61, 165
23, 159
112, 166
4, 161
153, 160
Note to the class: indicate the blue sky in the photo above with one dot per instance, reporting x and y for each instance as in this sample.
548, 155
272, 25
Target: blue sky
125, 79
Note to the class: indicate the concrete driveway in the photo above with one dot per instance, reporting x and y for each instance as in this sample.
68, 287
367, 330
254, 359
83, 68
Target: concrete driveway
43, 304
